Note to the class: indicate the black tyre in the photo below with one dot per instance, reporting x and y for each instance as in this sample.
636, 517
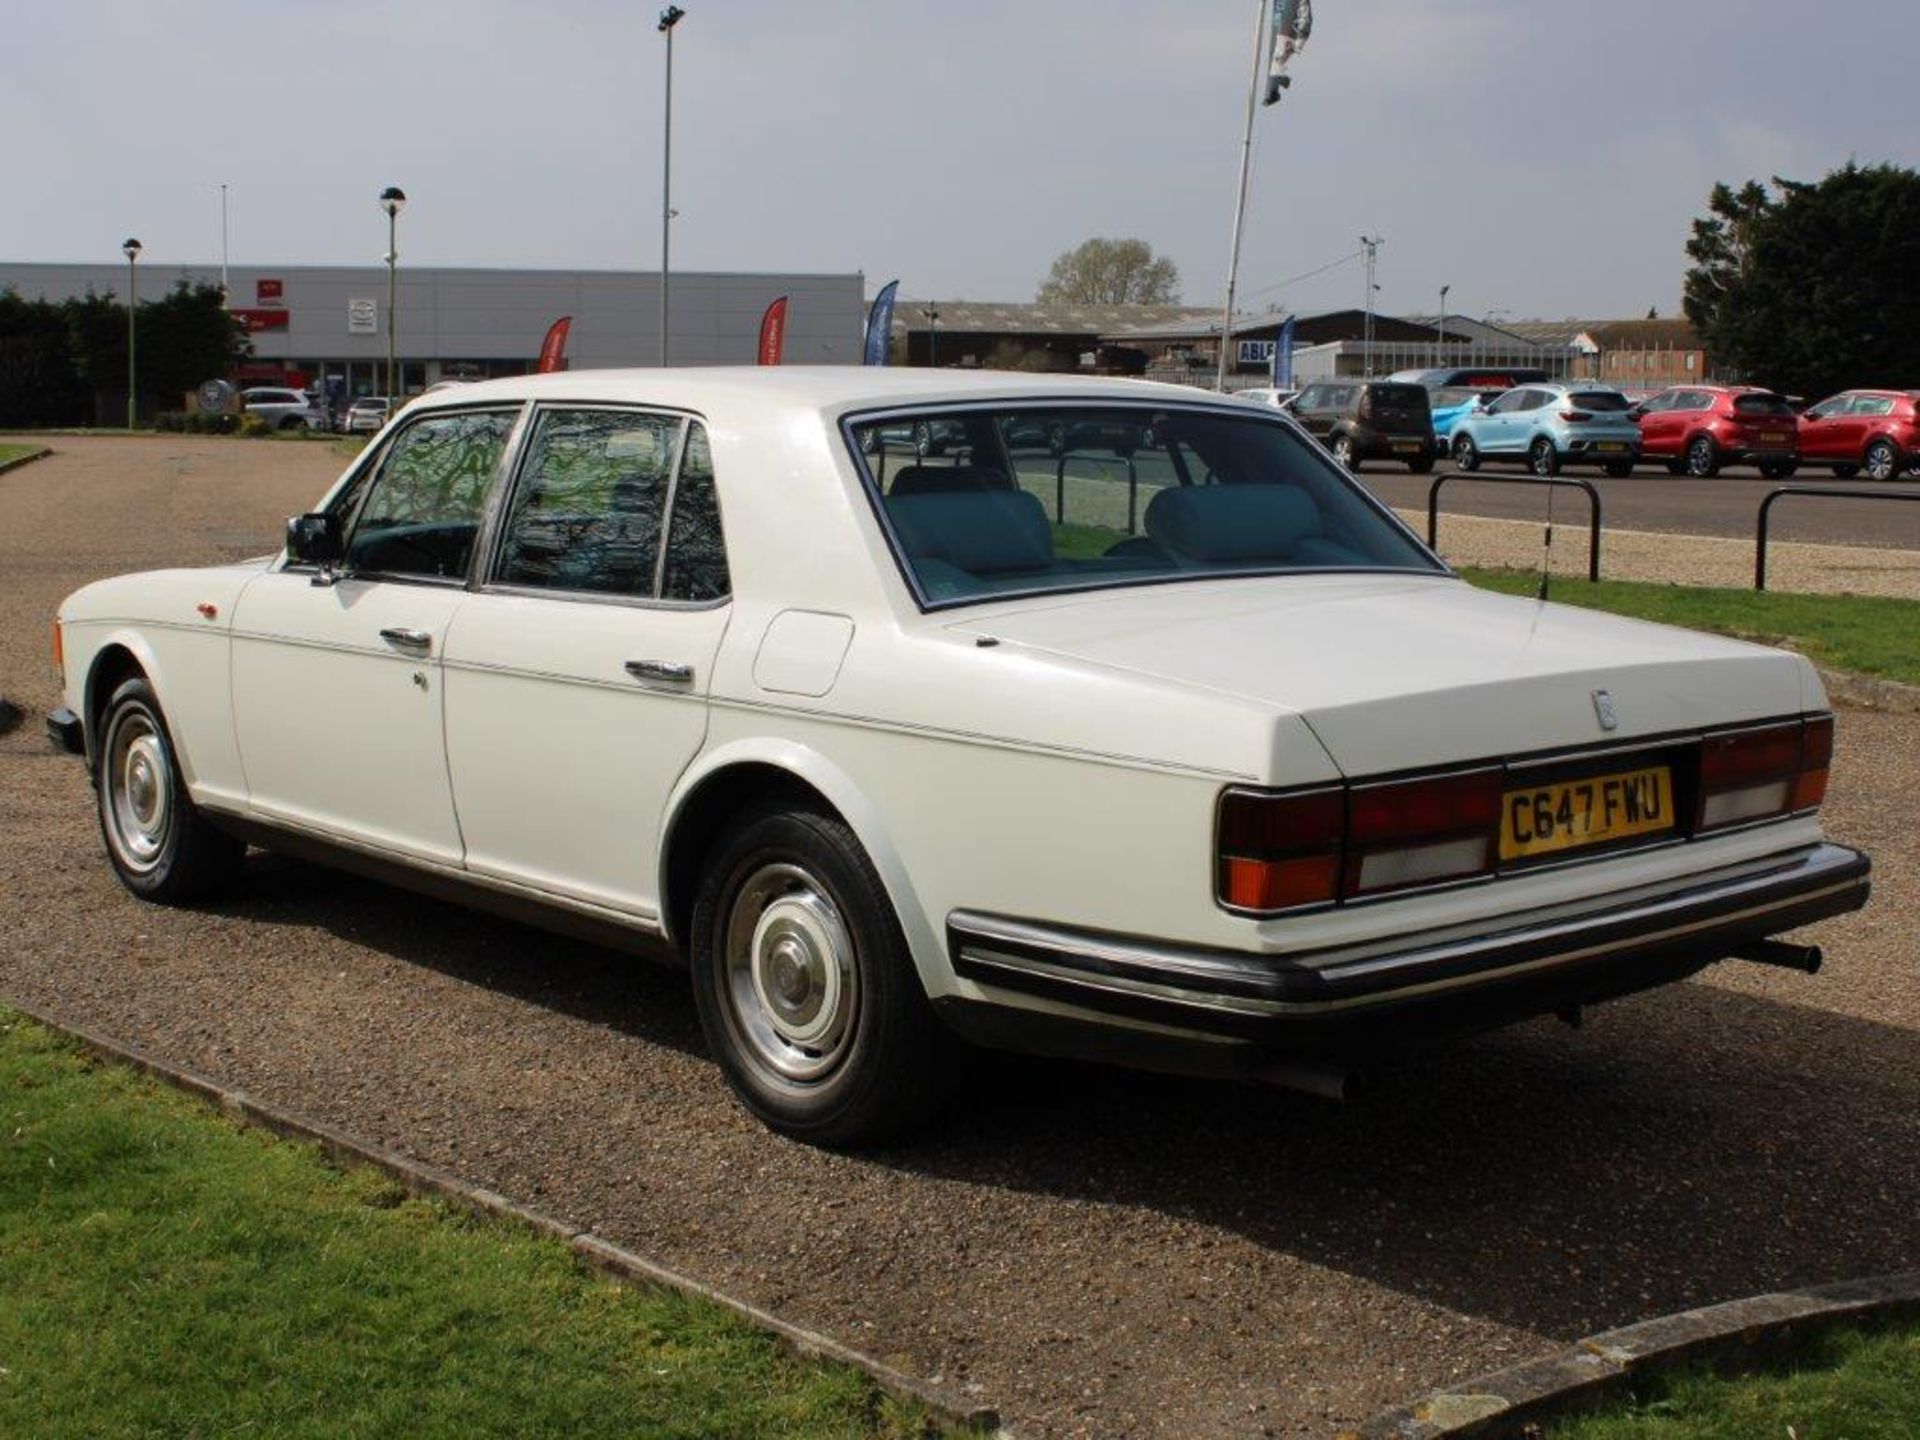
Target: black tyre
1676, 467
1618, 469
1779, 469
293, 423
160, 843
1344, 452
1421, 467
1845, 472
1542, 458
1882, 460
1703, 458
805, 987
1466, 454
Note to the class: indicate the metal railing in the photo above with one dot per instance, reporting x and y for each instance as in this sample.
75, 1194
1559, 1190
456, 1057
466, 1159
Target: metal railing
1569, 482
1838, 492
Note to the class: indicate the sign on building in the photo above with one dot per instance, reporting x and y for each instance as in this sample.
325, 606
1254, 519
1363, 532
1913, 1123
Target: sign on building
1256, 352
269, 294
363, 317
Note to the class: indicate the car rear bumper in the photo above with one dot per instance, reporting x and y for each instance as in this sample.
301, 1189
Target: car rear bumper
67, 733
1422, 985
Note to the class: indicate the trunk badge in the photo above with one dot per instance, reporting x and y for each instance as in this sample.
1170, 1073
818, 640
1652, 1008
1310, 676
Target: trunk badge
1604, 708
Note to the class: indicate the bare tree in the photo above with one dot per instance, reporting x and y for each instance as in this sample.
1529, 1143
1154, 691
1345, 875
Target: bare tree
1111, 272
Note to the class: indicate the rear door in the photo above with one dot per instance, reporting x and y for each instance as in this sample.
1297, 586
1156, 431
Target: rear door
577, 678
1659, 428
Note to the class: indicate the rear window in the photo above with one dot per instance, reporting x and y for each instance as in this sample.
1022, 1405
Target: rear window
1761, 405
1119, 495
1400, 397
1603, 400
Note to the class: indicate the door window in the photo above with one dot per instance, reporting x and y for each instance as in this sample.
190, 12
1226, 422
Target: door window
422, 508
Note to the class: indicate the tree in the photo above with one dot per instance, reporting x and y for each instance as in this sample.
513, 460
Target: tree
1111, 272
1808, 288
38, 382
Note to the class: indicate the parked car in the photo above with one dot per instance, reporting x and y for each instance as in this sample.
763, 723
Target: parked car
1267, 395
283, 409
1451, 406
1474, 377
1546, 427
1698, 429
1255, 785
1877, 431
1361, 420
367, 414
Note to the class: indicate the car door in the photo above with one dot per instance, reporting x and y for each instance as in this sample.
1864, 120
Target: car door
336, 679
1659, 428
576, 680
1498, 433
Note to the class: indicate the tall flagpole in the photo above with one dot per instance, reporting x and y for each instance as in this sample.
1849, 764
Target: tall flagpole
1260, 41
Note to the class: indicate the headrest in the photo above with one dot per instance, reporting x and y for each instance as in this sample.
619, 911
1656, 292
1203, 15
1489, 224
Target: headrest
984, 532
932, 479
1224, 524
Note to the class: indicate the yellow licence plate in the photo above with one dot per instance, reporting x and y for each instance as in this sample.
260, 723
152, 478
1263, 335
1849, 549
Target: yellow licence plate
1574, 813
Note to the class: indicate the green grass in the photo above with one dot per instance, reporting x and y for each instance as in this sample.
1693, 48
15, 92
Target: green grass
1844, 1387
1866, 634
10, 453
167, 1273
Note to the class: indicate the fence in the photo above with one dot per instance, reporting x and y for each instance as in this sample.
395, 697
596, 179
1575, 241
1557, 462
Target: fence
1593, 506
1835, 491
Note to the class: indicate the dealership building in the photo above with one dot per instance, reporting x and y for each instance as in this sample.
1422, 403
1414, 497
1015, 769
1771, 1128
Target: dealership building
327, 326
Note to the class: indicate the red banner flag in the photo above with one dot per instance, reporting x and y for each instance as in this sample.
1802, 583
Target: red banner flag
553, 349
773, 332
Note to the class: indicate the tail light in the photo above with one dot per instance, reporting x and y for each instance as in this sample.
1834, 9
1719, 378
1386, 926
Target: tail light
1761, 774
59, 651
1574, 417
1281, 852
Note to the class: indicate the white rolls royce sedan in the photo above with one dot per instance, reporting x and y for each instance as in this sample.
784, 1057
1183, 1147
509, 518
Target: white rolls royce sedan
1120, 724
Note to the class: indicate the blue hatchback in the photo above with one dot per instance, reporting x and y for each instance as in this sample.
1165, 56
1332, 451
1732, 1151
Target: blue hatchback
1548, 426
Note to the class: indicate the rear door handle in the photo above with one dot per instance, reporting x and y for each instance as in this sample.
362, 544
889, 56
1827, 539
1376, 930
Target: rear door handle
407, 639
667, 670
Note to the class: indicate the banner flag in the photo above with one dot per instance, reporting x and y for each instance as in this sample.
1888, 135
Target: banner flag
553, 349
880, 324
1292, 24
1283, 356
773, 332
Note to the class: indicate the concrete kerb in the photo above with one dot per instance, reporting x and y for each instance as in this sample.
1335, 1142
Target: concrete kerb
19, 460
1613, 1365
424, 1180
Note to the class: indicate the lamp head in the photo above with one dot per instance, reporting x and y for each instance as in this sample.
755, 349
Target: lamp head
130, 248
670, 17
393, 200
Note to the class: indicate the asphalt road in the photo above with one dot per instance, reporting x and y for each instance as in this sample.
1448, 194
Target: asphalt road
1100, 1253
1656, 501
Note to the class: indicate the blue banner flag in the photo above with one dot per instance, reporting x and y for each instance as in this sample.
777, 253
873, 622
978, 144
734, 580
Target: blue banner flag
880, 324
1283, 356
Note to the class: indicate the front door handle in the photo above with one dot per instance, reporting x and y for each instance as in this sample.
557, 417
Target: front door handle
667, 670
407, 639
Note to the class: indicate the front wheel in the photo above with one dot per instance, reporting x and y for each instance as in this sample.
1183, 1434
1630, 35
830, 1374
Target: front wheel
806, 989
1619, 469
160, 843
1703, 459
1845, 472
1883, 460
1778, 470
1420, 467
1344, 452
1466, 454
1542, 458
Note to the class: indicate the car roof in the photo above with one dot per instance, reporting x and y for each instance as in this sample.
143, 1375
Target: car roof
835, 389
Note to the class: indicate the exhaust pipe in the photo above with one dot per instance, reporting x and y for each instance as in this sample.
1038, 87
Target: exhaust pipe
1329, 1082
1804, 958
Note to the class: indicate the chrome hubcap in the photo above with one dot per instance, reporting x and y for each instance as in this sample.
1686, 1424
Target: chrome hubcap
790, 988
1880, 463
138, 781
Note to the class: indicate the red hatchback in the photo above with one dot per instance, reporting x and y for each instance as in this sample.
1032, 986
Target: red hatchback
1877, 431
1697, 429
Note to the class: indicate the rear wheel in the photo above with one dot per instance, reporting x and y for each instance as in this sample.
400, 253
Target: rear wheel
1845, 472
805, 987
1466, 454
1421, 467
1344, 452
293, 422
1778, 469
1619, 469
1542, 458
1883, 460
1703, 458
160, 843
1676, 467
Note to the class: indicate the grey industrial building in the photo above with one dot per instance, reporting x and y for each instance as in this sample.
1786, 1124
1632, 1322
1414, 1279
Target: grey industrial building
309, 323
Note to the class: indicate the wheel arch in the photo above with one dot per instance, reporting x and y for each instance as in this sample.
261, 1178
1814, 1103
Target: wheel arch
722, 783
117, 659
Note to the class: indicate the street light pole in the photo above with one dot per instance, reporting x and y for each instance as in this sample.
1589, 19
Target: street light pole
669, 17
131, 249
393, 200
1260, 57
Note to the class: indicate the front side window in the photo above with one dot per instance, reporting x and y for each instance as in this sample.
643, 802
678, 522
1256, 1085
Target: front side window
422, 509
1132, 495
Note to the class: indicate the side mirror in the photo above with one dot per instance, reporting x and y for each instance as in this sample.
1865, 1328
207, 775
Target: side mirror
315, 540
1635, 412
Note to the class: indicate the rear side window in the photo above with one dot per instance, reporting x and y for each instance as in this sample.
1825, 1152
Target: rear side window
1601, 401
422, 510
1761, 405
696, 567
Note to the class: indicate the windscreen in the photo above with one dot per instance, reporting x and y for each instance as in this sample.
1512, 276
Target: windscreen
1598, 400
993, 502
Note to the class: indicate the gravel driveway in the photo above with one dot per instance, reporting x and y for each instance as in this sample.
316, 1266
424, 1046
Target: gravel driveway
1099, 1253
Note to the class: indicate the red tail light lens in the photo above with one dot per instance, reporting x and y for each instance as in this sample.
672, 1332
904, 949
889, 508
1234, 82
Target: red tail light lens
1575, 416
1281, 852
1748, 775
1419, 832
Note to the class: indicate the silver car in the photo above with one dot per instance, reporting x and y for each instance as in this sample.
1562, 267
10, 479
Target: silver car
283, 409
1548, 426
367, 414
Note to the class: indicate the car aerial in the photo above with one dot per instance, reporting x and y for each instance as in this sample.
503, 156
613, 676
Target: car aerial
1196, 759
1877, 431
283, 409
1546, 427
367, 414
1697, 429
1361, 420
1452, 405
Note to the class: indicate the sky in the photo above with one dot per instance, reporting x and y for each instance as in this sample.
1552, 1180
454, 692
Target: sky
1541, 157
